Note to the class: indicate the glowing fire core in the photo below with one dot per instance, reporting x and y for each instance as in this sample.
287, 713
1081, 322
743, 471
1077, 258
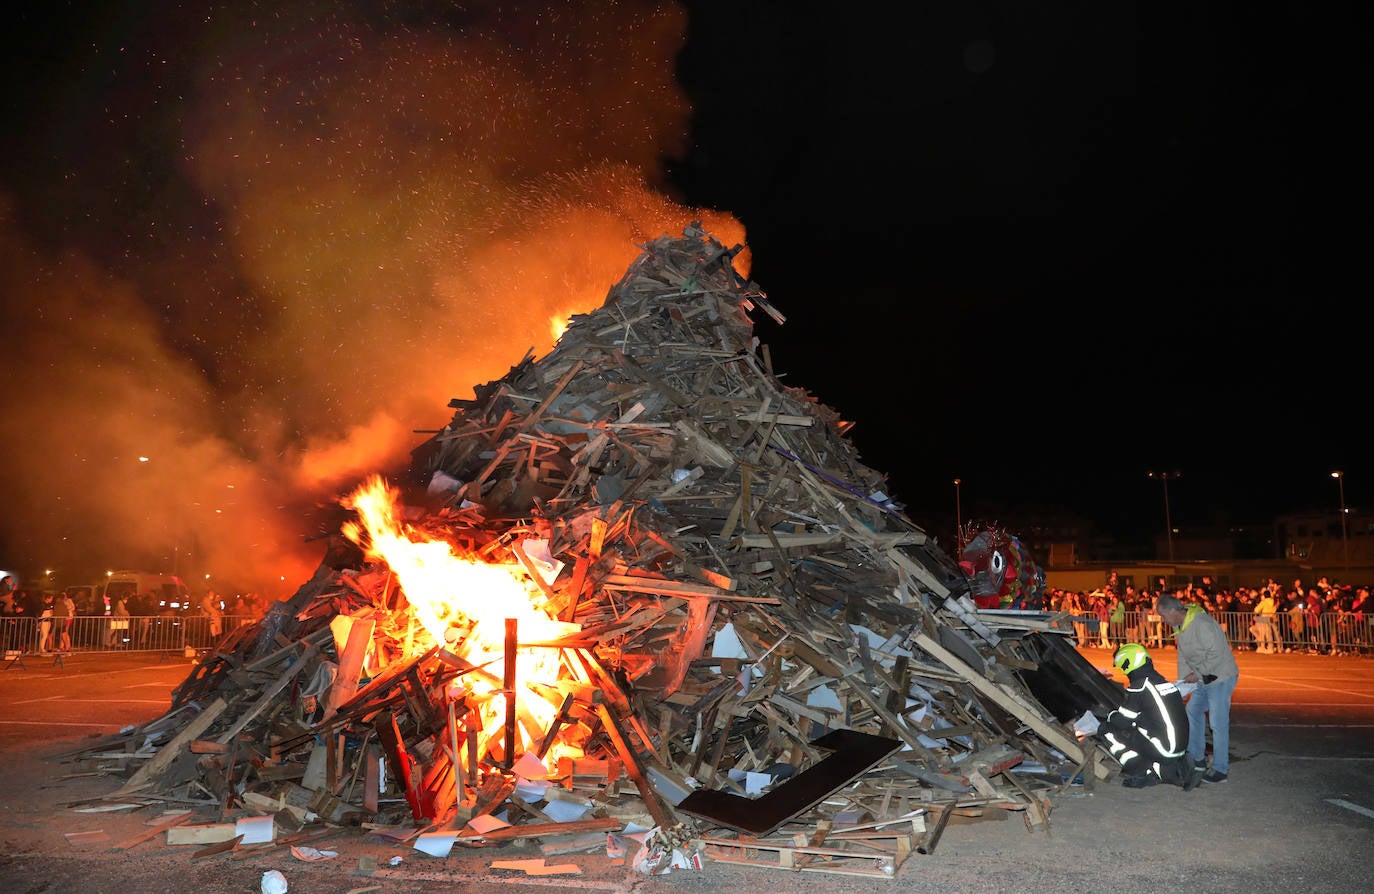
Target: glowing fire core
463, 604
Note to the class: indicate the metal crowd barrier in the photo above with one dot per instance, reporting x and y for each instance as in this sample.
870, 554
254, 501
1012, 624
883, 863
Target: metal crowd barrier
1336, 633
150, 633
1333, 633
1339, 633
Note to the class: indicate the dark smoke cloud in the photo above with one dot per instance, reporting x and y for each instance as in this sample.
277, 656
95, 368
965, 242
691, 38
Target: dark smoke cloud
302, 235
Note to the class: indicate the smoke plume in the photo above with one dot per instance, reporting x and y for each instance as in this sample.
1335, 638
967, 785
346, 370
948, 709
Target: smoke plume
316, 228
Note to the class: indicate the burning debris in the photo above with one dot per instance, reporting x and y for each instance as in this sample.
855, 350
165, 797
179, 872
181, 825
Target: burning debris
636, 580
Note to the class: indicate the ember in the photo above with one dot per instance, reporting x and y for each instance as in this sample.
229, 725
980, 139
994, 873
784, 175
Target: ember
639, 574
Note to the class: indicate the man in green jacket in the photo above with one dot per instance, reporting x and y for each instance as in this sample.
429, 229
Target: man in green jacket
1204, 658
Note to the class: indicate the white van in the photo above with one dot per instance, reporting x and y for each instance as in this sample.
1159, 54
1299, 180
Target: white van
170, 592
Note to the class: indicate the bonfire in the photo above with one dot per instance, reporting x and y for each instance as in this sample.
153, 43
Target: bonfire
642, 577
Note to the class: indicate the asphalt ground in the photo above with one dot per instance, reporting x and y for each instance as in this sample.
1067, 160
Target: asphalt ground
1297, 813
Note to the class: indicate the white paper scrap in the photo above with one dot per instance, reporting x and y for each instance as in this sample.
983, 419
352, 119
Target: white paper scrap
824, 697
530, 767
755, 783
536, 549
565, 811
727, 644
486, 823
530, 792
1087, 724
436, 844
442, 483
255, 829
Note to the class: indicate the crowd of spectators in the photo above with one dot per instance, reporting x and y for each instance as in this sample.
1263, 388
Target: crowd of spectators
76, 619
1324, 617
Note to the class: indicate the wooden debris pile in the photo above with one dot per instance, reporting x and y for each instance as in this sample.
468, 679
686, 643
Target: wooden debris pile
760, 642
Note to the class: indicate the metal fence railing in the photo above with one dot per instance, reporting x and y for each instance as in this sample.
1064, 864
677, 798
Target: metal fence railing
1337, 633
150, 633
1329, 632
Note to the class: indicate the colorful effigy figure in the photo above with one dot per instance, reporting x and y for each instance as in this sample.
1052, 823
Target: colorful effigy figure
1001, 571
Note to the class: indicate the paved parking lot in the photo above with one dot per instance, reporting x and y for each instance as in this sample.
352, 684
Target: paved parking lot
1297, 814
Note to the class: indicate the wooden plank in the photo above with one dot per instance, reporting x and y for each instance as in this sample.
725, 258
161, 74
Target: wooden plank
1037, 813
545, 830
663, 587
535, 574
202, 834
932, 778
204, 746
552, 732
569, 612
270, 694
897, 695
218, 847
556, 390
814, 840
455, 756
226, 793
932, 836
153, 831
345, 684
632, 767
1017, 708
172, 750
493, 793
819, 538
890, 720
372, 777
865, 863
304, 836
390, 736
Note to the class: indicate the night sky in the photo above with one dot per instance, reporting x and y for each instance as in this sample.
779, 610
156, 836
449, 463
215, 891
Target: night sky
1045, 249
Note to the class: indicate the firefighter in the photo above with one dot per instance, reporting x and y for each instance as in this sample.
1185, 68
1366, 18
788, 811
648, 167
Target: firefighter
1148, 734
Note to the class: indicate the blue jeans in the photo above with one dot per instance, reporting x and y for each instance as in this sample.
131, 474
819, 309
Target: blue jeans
1214, 700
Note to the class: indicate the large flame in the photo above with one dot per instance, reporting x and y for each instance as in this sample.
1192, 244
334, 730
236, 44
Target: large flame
464, 603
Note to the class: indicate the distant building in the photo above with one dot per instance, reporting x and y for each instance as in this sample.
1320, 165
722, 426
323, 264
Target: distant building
1074, 550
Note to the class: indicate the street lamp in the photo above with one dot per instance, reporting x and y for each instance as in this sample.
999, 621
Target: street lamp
1168, 523
958, 520
1345, 525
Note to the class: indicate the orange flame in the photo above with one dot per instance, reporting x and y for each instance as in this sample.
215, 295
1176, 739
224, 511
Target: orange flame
464, 603
558, 324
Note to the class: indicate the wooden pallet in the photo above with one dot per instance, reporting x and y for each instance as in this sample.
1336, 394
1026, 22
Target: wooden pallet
863, 858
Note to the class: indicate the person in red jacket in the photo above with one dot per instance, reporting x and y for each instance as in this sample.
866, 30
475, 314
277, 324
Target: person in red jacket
1314, 620
1362, 612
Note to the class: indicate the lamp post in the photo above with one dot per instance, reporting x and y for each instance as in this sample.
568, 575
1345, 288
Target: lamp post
1345, 525
1168, 522
958, 520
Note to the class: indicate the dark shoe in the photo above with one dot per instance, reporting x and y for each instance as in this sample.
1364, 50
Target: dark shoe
1194, 775
1213, 776
1143, 781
